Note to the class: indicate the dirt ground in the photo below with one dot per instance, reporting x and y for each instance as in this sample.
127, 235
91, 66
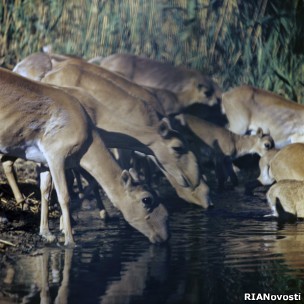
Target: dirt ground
19, 225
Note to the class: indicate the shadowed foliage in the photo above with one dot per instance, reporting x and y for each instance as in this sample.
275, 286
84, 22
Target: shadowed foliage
259, 42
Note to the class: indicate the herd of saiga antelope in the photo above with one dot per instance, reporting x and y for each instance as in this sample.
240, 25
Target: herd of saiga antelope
64, 112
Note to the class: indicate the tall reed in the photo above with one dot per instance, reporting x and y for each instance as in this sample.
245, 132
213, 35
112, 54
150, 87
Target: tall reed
259, 42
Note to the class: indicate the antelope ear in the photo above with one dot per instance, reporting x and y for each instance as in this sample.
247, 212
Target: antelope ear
126, 178
181, 119
135, 176
164, 127
259, 132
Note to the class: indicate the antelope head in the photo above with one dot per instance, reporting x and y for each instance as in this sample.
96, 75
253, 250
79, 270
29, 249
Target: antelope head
174, 157
34, 67
200, 89
263, 142
142, 209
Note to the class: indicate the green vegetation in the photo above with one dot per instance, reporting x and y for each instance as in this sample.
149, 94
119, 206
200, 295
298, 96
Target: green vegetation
259, 42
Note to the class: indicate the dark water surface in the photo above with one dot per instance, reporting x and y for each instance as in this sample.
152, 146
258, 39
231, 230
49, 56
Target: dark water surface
212, 257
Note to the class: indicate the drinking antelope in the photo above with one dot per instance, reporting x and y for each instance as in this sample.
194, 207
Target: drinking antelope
248, 108
47, 125
224, 146
285, 199
286, 168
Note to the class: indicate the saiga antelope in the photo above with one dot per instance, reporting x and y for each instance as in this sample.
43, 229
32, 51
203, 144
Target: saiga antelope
189, 86
224, 146
46, 125
248, 108
286, 169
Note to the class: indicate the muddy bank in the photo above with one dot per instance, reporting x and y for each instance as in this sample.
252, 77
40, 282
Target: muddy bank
19, 223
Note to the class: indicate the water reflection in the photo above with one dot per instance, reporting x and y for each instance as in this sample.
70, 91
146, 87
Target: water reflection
290, 244
31, 279
212, 257
134, 275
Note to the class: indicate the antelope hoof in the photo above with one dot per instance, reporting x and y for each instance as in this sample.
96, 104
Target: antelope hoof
49, 237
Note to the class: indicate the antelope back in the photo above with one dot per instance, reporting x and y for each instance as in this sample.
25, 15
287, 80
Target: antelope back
190, 85
288, 163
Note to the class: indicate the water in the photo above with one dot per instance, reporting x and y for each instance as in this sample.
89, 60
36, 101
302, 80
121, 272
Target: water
212, 257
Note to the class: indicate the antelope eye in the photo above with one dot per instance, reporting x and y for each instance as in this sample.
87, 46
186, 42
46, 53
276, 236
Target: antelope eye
147, 201
209, 93
179, 149
267, 145
200, 86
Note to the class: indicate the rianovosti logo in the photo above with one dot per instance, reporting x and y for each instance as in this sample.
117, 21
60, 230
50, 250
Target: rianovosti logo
272, 297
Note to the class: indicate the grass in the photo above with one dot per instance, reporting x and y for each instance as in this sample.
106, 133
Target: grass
259, 42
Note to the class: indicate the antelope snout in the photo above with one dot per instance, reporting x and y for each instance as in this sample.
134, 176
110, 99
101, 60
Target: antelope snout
206, 202
159, 238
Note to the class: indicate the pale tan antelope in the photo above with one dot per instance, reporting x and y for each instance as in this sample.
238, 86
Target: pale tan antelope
248, 108
190, 86
224, 146
286, 199
286, 168
46, 125
288, 163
